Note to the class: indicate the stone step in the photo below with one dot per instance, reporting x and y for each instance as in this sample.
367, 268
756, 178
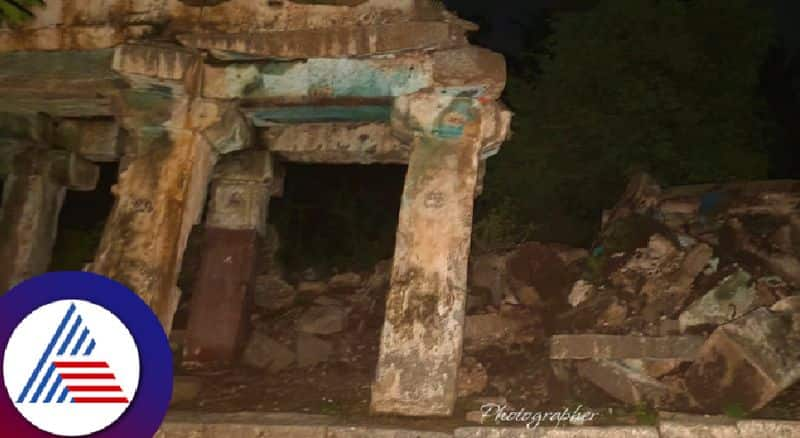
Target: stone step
290, 425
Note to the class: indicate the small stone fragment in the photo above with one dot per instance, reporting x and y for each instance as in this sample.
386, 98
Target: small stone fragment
322, 320
581, 291
272, 293
265, 352
472, 377
312, 350
345, 281
312, 287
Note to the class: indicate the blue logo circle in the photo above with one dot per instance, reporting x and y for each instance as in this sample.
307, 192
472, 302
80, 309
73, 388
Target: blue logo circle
65, 350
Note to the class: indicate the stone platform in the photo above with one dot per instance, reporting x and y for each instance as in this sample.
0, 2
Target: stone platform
285, 425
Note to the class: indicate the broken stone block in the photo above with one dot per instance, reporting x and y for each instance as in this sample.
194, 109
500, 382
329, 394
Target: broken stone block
265, 352
790, 304
581, 291
747, 362
733, 297
627, 384
222, 298
272, 293
529, 296
185, 389
488, 271
472, 377
481, 331
654, 368
312, 350
641, 194
667, 292
312, 287
535, 264
323, 320
624, 347
346, 281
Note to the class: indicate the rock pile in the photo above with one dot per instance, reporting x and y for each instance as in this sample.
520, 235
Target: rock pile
689, 297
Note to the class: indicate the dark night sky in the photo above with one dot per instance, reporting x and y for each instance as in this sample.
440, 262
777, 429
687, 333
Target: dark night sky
504, 21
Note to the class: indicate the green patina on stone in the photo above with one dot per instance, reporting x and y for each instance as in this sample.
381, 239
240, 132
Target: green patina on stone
335, 113
330, 78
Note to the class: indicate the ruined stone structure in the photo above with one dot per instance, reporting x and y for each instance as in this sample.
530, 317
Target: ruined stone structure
205, 100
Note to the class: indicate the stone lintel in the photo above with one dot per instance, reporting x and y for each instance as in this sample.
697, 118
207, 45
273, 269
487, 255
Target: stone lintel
94, 139
270, 114
468, 71
160, 62
421, 341
363, 143
60, 167
59, 83
58, 73
330, 42
27, 127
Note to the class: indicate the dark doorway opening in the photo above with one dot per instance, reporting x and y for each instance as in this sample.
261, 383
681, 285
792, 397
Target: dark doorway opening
2, 193
337, 218
81, 222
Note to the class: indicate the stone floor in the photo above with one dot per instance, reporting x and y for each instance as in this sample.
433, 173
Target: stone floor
251, 425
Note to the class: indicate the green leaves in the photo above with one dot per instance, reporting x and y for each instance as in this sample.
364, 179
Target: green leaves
668, 87
14, 12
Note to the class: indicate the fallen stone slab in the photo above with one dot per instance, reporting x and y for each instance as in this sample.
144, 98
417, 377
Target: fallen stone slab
732, 297
558, 432
747, 362
624, 347
630, 385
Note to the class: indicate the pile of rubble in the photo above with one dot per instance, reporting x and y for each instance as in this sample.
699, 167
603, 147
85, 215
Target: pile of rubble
689, 300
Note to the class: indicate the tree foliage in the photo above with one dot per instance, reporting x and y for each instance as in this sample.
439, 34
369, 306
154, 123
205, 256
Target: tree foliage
13, 12
665, 86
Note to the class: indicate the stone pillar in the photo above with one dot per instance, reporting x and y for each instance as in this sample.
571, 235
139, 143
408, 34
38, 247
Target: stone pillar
170, 142
421, 342
236, 217
34, 193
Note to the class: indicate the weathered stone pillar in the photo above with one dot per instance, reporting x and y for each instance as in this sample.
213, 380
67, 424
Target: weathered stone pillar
34, 193
171, 140
236, 217
421, 341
